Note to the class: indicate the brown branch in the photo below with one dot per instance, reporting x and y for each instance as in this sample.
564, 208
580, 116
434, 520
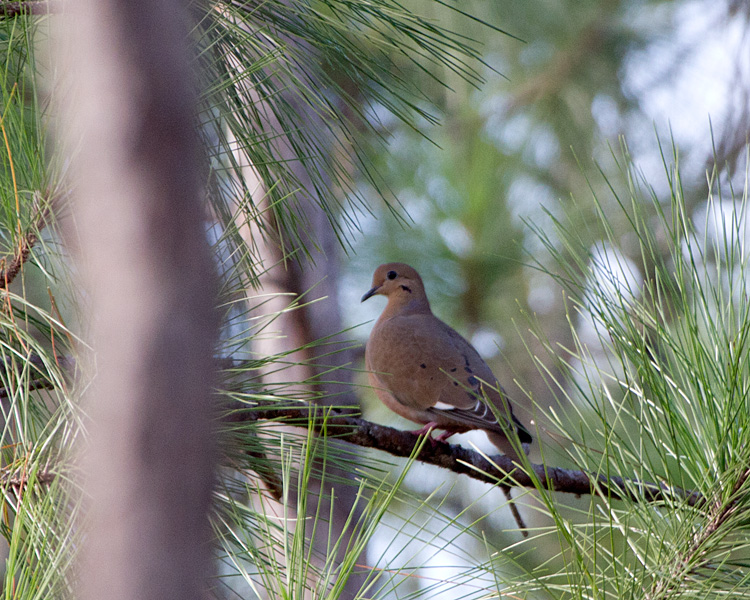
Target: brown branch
461, 460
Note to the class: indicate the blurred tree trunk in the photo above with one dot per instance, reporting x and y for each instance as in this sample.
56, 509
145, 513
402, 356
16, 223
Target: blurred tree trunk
292, 276
150, 280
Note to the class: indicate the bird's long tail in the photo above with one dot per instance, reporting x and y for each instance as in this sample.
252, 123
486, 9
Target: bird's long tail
508, 448
514, 511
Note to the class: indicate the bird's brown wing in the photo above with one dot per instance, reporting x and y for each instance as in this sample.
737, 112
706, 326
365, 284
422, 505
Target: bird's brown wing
473, 387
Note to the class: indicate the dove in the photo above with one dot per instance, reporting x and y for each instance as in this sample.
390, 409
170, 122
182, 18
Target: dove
425, 371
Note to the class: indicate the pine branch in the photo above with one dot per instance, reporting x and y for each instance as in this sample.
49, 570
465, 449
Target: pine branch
464, 461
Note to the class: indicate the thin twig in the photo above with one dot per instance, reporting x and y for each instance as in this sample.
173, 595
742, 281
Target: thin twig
12, 267
18, 480
37, 381
267, 475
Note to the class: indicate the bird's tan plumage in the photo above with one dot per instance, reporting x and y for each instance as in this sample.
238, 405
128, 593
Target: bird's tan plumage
425, 371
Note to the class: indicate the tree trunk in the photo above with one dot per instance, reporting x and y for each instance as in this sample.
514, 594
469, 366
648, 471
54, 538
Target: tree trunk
290, 278
149, 276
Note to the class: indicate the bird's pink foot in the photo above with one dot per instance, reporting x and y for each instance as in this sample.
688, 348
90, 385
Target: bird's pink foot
427, 430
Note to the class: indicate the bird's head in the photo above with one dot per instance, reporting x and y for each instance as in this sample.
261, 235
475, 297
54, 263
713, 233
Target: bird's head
398, 282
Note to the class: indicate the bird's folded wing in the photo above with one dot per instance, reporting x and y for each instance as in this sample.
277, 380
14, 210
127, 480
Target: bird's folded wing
482, 417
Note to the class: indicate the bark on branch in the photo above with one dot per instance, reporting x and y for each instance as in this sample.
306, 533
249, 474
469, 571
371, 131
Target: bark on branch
461, 460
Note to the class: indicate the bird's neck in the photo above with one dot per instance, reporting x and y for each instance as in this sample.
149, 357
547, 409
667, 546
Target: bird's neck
406, 306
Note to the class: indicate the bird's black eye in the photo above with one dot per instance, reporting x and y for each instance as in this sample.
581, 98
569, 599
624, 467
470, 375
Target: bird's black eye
391, 275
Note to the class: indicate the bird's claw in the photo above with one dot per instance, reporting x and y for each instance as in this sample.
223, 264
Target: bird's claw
427, 430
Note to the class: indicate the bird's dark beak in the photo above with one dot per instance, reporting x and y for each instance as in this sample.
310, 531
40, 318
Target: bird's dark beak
371, 293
